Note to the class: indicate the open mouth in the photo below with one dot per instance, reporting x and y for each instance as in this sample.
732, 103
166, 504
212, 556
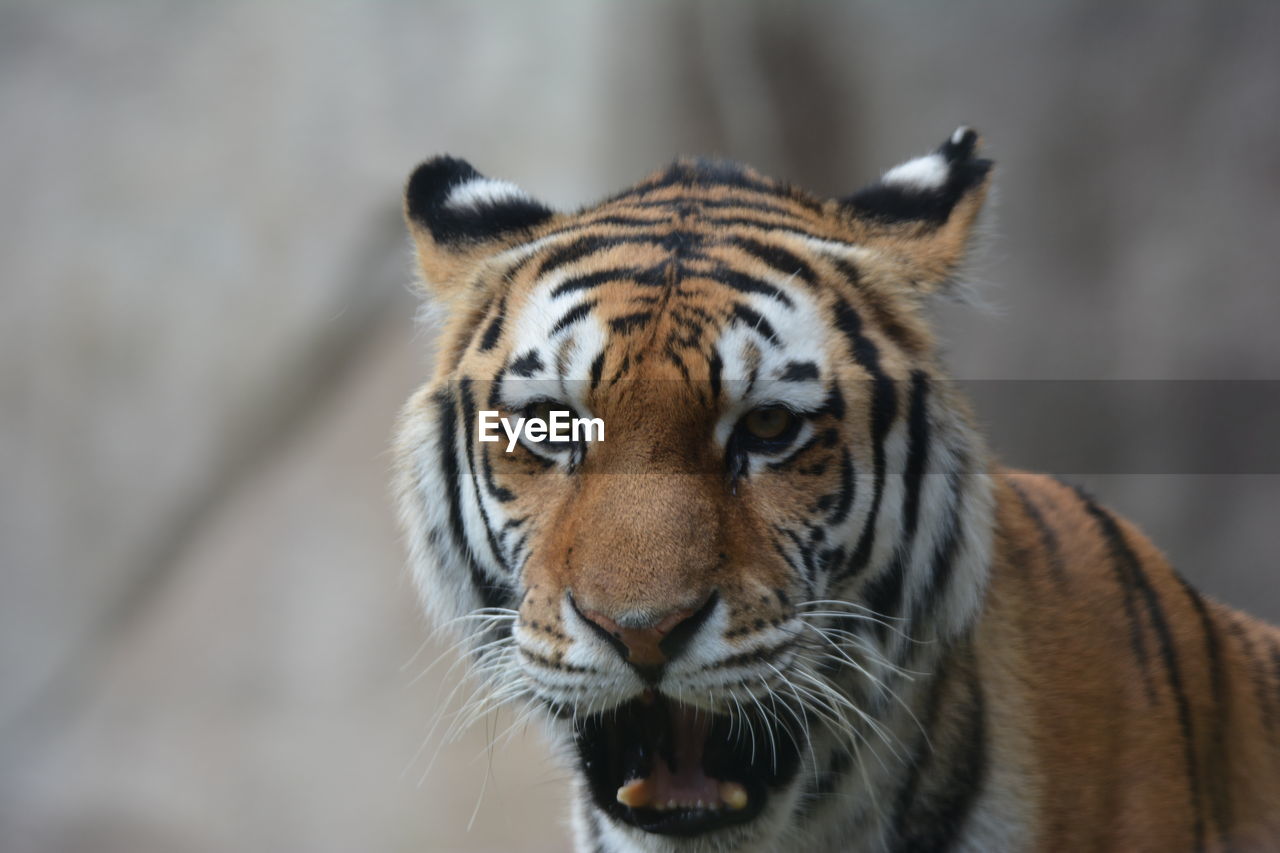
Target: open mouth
673, 769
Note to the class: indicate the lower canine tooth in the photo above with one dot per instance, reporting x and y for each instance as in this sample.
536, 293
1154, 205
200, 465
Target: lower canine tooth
636, 794
733, 795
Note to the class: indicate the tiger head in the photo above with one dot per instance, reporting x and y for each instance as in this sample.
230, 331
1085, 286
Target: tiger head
721, 602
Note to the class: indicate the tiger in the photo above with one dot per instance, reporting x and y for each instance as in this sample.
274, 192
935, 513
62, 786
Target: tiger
790, 601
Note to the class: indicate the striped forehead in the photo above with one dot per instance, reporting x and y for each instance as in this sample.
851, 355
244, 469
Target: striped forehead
752, 334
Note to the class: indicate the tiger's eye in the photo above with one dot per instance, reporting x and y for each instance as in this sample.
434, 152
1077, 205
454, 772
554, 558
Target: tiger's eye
768, 422
542, 410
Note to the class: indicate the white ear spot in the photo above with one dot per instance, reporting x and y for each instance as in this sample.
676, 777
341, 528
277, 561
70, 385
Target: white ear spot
959, 135
484, 191
925, 173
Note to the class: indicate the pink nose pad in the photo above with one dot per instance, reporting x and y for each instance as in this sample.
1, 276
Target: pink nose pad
644, 645
654, 645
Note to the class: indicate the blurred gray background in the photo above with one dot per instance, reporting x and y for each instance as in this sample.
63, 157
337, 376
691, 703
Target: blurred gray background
207, 641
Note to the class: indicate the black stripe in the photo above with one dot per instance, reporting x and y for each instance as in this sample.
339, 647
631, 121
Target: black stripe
1137, 641
834, 404
938, 821
491, 594
943, 784
883, 410
518, 552
622, 368
1217, 781
784, 261
1136, 578
500, 493
917, 451
573, 315
754, 320
744, 283
588, 227
597, 370
626, 221
572, 251
1048, 537
714, 203
590, 281
799, 371
585, 229
940, 573
714, 369
469, 424
526, 365
862, 348
882, 315
824, 438
884, 592
627, 322
494, 330
762, 223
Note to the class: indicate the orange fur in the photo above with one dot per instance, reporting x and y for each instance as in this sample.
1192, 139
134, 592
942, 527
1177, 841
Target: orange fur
1110, 757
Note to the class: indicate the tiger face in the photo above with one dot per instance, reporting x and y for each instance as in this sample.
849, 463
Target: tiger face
720, 604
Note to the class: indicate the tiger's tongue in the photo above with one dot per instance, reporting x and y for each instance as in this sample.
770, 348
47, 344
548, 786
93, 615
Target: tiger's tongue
685, 785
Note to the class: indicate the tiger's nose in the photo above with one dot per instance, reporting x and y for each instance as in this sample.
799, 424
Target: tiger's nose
649, 644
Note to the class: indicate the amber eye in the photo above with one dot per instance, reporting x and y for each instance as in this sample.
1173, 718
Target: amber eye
767, 430
769, 423
541, 410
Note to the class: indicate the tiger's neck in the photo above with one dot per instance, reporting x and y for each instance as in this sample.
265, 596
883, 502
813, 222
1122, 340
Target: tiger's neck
916, 761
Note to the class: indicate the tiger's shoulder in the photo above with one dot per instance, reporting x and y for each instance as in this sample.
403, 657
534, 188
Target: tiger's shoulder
1129, 697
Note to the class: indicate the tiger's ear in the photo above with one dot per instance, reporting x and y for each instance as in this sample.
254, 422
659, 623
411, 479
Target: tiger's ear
918, 218
458, 217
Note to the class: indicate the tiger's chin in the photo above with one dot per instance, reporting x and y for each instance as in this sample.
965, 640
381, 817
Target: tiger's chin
672, 769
